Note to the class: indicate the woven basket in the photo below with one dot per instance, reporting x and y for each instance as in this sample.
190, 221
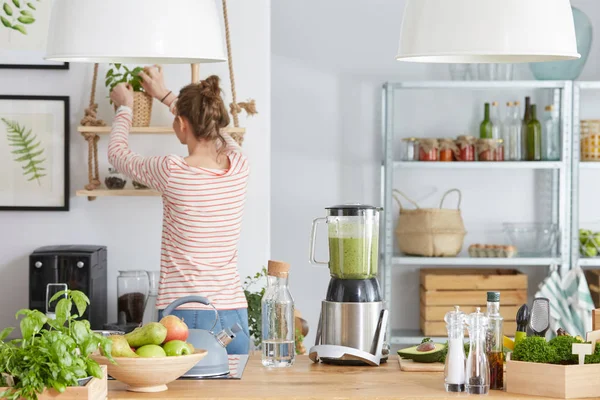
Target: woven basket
430, 232
590, 140
142, 109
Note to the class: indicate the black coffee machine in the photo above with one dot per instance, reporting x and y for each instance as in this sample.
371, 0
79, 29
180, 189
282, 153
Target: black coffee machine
79, 267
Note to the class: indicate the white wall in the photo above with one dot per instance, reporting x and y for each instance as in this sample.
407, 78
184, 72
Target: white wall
131, 227
356, 42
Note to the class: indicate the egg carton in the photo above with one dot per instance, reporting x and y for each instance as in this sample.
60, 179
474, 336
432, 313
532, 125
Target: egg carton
492, 250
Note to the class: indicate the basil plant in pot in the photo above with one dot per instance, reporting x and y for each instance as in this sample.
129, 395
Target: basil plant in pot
142, 102
52, 353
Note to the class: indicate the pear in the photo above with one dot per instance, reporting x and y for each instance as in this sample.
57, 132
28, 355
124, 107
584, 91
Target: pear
120, 347
151, 333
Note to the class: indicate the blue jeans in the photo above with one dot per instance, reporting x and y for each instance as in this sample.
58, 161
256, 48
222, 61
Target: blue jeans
204, 319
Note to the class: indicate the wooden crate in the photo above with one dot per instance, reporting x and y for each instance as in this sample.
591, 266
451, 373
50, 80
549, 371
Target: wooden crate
558, 381
96, 389
442, 289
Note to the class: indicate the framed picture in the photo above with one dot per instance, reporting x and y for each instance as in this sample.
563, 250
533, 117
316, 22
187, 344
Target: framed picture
34, 153
23, 34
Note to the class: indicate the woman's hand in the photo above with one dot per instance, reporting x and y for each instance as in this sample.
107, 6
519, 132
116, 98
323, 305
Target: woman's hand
153, 82
122, 95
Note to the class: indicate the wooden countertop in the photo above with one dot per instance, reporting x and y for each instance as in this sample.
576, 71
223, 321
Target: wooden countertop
306, 380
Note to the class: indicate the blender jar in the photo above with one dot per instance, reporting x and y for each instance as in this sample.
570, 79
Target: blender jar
353, 232
132, 292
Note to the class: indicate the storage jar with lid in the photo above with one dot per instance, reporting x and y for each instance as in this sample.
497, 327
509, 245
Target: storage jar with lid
486, 149
447, 149
410, 151
428, 150
465, 148
115, 180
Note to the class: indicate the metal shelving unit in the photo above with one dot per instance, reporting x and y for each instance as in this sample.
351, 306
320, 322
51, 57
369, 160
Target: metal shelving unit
560, 183
577, 165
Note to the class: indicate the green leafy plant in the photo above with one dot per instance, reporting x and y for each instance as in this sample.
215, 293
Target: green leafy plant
563, 346
53, 353
534, 349
27, 150
119, 73
254, 304
17, 14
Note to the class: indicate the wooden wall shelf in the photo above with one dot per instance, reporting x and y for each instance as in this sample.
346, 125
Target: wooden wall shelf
117, 193
105, 130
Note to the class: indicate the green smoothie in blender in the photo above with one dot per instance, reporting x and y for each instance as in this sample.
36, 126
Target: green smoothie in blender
353, 257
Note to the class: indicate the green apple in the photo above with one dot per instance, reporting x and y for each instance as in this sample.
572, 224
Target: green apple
590, 250
176, 348
151, 350
595, 239
584, 235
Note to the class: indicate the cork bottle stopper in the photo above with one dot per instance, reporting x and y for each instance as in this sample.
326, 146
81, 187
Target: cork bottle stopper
278, 268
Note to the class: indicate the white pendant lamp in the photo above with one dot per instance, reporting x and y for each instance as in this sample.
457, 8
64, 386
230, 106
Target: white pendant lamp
487, 31
135, 31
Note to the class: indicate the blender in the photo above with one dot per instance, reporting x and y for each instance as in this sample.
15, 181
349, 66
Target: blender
353, 321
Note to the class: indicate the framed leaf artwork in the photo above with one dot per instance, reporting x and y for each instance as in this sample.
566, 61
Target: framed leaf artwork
23, 33
34, 153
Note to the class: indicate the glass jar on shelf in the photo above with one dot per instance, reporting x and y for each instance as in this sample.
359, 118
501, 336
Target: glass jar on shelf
410, 151
447, 149
115, 180
550, 135
486, 149
465, 148
428, 150
500, 150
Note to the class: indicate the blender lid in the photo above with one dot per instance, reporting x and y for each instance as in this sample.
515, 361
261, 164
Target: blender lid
351, 209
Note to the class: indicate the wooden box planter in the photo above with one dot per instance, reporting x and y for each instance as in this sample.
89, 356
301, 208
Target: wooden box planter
548, 380
95, 389
442, 289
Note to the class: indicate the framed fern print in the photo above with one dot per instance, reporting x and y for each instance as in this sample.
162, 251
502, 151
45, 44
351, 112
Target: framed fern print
34, 153
23, 35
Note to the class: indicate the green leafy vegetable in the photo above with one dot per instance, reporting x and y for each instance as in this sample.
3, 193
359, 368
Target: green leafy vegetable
254, 305
534, 349
563, 346
53, 353
27, 150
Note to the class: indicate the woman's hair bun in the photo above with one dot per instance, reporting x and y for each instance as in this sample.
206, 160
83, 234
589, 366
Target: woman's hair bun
210, 87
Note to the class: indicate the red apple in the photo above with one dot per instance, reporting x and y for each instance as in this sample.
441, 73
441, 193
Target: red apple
176, 328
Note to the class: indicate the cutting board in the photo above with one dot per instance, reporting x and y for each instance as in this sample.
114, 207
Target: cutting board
411, 366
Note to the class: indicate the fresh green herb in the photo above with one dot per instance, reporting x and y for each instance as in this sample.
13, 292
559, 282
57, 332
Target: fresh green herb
534, 349
254, 305
594, 358
299, 341
53, 353
563, 346
119, 73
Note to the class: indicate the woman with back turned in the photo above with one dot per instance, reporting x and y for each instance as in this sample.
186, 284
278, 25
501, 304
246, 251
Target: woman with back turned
203, 201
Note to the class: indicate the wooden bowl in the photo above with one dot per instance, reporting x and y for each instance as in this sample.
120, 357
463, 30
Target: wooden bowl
149, 374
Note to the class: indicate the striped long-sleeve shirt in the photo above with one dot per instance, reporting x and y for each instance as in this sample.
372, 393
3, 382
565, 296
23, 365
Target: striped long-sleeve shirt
202, 216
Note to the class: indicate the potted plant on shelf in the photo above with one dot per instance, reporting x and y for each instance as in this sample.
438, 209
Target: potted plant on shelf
53, 354
142, 102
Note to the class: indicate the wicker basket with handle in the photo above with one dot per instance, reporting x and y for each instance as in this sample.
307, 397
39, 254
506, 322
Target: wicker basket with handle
142, 109
430, 232
590, 140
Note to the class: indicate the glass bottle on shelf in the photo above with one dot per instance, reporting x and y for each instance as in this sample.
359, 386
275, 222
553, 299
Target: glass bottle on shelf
486, 127
534, 137
495, 341
551, 136
526, 118
496, 122
278, 333
477, 374
514, 142
506, 126
411, 149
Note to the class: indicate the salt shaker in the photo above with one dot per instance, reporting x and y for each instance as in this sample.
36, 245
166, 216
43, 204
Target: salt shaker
477, 379
454, 373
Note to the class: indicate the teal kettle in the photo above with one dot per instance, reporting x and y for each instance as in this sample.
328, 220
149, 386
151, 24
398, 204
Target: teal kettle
216, 362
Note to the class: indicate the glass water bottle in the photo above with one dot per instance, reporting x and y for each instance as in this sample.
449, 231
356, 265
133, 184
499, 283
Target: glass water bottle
454, 371
477, 376
278, 333
550, 136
